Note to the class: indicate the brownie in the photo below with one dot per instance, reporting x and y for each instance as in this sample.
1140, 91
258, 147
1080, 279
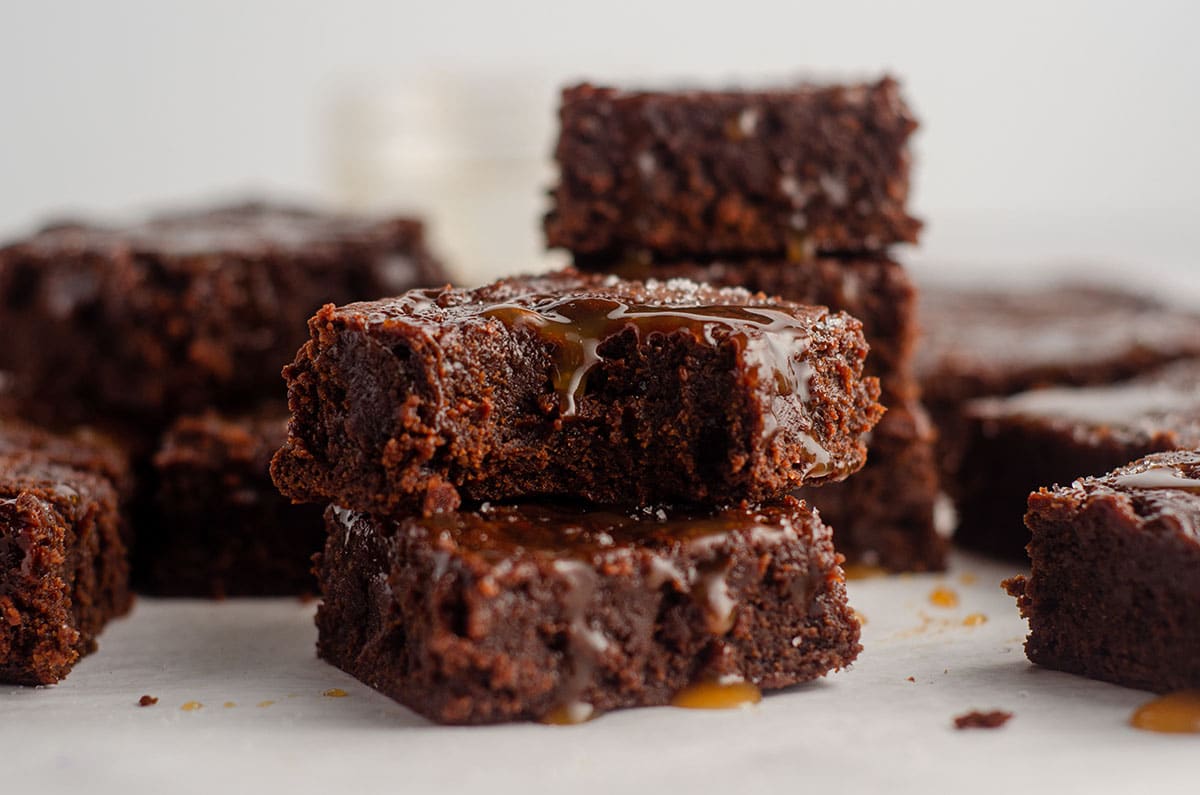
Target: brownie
218, 526
884, 515
1013, 445
571, 384
181, 312
1114, 589
874, 289
788, 171
978, 342
554, 612
63, 566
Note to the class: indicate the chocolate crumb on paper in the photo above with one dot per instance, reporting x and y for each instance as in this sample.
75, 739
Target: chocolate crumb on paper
147, 701
976, 719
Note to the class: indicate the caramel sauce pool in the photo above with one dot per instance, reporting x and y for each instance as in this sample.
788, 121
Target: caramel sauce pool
1174, 713
715, 695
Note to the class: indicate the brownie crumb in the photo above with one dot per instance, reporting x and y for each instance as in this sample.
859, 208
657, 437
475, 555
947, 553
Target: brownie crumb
976, 719
911, 679
147, 701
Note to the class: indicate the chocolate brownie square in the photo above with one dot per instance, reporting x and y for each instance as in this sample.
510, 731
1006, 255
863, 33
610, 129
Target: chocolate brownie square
185, 311
554, 612
986, 342
1013, 445
218, 526
1114, 589
884, 515
801, 169
571, 384
63, 566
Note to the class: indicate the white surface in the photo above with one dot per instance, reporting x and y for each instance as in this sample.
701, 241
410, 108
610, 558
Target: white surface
866, 729
1077, 104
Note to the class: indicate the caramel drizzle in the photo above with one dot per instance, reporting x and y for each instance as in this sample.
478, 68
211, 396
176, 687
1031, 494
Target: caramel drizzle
1159, 477
577, 327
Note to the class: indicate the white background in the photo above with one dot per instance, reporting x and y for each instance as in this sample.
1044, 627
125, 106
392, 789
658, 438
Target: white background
1052, 129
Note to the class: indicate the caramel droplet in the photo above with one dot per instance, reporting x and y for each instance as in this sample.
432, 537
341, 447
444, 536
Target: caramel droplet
860, 571
974, 620
967, 578
192, 706
569, 714
229, 704
717, 695
335, 692
266, 703
943, 597
1174, 713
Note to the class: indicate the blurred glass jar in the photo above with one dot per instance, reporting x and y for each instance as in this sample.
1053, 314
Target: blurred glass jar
470, 154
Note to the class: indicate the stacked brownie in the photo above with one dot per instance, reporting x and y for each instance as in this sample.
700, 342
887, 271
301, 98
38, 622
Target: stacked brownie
798, 193
170, 334
554, 496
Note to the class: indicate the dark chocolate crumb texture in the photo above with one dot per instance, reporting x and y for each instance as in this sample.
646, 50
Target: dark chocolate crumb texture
185, 311
63, 566
558, 613
1114, 588
810, 168
570, 384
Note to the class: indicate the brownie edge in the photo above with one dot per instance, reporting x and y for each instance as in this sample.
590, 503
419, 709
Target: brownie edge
516, 612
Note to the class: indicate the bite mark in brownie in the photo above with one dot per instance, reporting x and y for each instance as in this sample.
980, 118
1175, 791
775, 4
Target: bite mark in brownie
218, 526
571, 384
801, 169
1011, 446
1114, 588
884, 515
874, 289
63, 566
185, 311
539, 611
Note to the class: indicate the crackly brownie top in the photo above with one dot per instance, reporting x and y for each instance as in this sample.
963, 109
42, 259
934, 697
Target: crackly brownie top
498, 532
883, 94
989, 342
68, 489
83, 450
239, 229
577, 312
1163, 489
212, 440
1159, 405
